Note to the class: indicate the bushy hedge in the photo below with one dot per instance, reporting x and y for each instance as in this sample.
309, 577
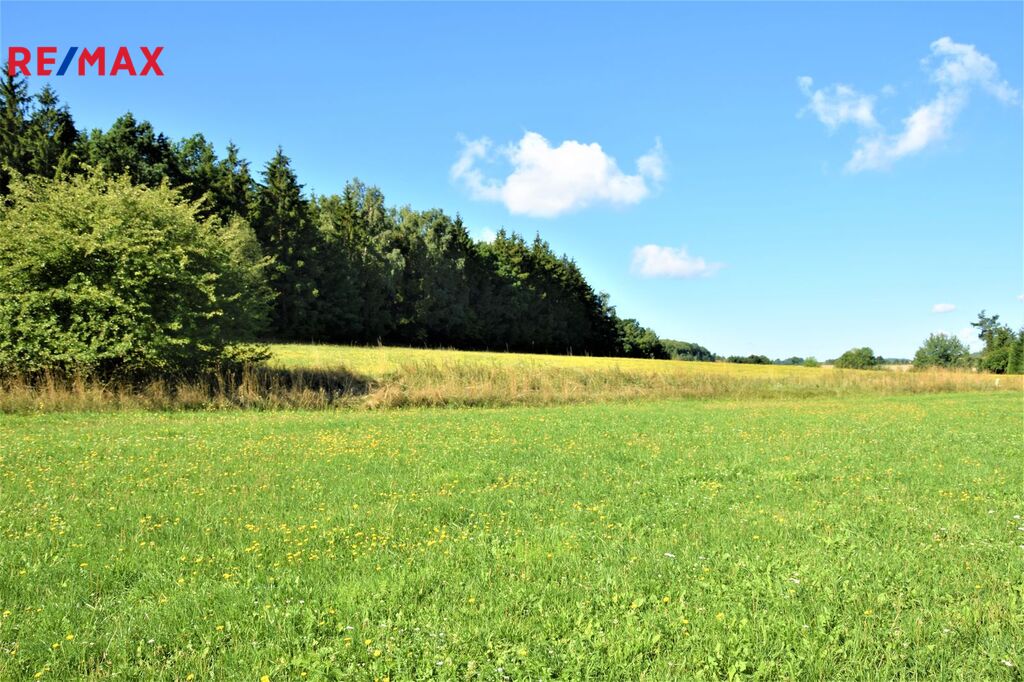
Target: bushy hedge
100, 276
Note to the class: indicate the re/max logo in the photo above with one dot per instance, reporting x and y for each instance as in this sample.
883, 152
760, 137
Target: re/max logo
19, 61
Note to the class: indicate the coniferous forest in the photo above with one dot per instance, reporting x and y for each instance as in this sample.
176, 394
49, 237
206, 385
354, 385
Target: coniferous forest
341, 268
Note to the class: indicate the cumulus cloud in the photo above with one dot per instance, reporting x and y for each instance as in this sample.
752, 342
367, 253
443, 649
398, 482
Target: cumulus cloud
957, 69
943, 308
652, 260
548, 181
838, 104
968, 335
486, 235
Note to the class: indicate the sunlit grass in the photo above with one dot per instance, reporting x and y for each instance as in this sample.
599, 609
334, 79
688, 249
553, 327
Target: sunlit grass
410, 376
319, 377
868, 537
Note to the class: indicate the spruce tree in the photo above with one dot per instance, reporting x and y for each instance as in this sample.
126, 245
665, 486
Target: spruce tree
50, 137
14, 105
283, 225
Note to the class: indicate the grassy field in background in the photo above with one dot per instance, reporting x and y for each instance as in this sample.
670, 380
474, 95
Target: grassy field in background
409, 376
379, 361
870, 537
318, 377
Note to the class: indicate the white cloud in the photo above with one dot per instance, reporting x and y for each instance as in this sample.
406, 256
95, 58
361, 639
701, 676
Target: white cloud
548, 181
652, 164
956, 68
652, 260
485, 234
838, 104
968, 335
1021, 297
943, 308
929, 123
962, 66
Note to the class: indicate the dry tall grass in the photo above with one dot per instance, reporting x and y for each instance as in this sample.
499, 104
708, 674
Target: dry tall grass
418, 378
490, 385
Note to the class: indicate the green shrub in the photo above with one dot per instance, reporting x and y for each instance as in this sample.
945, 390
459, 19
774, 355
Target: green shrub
942, 350
858, 358
98, 276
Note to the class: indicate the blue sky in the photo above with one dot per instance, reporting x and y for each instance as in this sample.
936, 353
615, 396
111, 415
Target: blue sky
671, 149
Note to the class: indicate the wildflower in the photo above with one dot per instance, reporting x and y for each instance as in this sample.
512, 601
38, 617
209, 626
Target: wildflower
69, 637
719, 616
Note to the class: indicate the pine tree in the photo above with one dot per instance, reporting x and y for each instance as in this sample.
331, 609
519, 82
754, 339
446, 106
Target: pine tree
197, 163
136, 149
51, 137
283, 225
233, 188
14, 105
1015, 365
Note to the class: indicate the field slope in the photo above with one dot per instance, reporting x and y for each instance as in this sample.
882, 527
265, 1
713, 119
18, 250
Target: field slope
869, 537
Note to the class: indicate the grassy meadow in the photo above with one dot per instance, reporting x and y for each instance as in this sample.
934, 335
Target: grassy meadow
317, 377
871, 536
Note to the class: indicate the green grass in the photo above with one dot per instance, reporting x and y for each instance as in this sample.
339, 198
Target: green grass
873, 537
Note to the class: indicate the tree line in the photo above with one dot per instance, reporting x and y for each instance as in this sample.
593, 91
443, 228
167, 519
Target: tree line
341, 268
266, 261
1003, 352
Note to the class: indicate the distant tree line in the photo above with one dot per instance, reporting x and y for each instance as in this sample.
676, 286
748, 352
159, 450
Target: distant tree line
1003, 352
341, 267
683, 350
